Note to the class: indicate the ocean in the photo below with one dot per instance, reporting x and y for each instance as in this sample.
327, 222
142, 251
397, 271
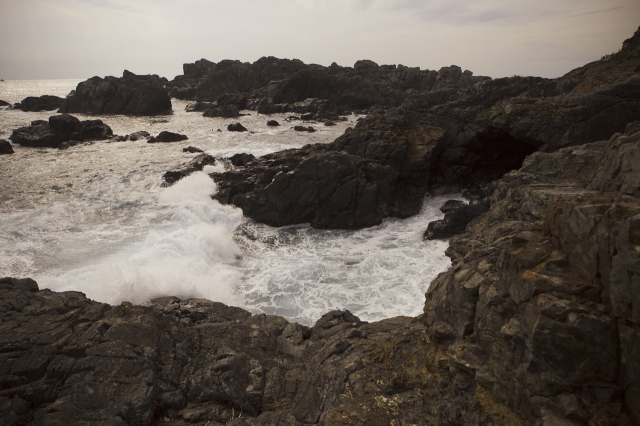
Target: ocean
95, 219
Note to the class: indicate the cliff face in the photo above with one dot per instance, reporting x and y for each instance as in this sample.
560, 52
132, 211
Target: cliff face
542, 302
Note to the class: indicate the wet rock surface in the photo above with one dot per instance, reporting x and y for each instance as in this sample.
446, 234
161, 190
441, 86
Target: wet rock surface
236, 127
41, 103
196, 164
166, 137
59, 129
131, 95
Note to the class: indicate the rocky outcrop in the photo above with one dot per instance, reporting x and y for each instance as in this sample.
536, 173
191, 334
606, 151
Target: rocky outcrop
42, 103
456, 219
226, 111
67, 359
166, 137
5, 147
451, 138
59, 129
131, 95
541, 302
196, 164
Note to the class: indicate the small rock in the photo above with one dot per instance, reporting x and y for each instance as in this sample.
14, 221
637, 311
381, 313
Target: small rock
5, 147
138, 135
121, 138
241, 159
3, 103
236, 127
226, 111
272, 123
192, 149
329, 123
304, 129
168, 137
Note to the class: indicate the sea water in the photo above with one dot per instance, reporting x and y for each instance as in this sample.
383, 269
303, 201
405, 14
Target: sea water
95, 219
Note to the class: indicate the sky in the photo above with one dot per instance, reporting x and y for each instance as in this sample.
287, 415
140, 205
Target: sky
45, 39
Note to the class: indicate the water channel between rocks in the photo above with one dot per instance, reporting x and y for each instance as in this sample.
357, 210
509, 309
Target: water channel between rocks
95, 219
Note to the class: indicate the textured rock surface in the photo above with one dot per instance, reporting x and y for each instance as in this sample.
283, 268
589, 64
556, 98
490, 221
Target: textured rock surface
451, 138
132, 95
42, 103
196, 164
166, 136
60, 128
5, 147
541, 303
68, 360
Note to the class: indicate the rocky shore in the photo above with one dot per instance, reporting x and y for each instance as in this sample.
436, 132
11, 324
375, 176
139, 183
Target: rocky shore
537, 322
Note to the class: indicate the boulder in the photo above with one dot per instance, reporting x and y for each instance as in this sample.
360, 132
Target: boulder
138, 135
329, 123
304, 129
4, 103
41, 103
192, 149
241, 159
195, 165
131, 95
272, 123
225, 111
5, 147
59, 129
236, 127
166, 136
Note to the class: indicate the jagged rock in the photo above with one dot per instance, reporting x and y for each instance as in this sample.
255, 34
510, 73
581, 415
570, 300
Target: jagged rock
455, 220
225, 111
42, 103
5, 147
304, 129
241, 159
131, 95
139, 135
59, 129
195, 165
543, 285
272, 123
67, 359
192, 149
165, 136
236, 127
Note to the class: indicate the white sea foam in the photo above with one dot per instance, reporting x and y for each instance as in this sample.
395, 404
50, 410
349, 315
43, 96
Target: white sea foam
191, 256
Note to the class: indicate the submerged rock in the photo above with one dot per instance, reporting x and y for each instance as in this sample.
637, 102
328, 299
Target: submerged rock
226, 111
4, 103
59, 129
131, 95
41, 103
5, 147
304, 129
192, 149
272, 123
195, 165
139, 135
166, 136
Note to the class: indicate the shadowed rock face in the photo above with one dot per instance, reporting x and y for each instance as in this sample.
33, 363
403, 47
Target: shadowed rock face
59, 129
41, 103
541, 303
131, 95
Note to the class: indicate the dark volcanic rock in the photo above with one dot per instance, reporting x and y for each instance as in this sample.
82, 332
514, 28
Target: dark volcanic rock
5, 147
225, 111
195, 165
329, 123
540, 305
192, 149
42, 103
236, 127
132, 95
59, 129
165, 136
272, 123
304, 129
241, 159
138, 135
455, 220
3, 103
69, 360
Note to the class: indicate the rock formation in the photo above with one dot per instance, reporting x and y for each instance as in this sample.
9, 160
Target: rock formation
60, 128
4, 103
165, 136
42, 103
5, 147
131, 95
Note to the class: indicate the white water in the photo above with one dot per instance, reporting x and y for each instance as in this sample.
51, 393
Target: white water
95, 219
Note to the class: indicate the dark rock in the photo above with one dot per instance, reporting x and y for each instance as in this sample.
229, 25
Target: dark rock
59, 129
272, 123
200, 106
242, 159
304, 129
195, 165
165, 136
138, 135
236, 127
5, 147
226, 111
131, 95
42, 103
329, 123
455, 220
4, 103
192, 149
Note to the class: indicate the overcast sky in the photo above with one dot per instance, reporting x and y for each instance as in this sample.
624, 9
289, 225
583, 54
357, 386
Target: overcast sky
81, 38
